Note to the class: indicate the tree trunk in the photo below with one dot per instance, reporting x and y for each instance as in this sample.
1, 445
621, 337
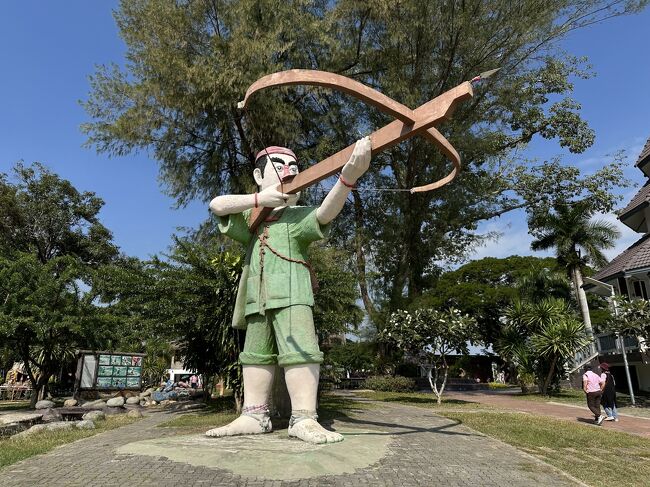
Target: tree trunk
37, 389
444, 381
434, 383
549, 376
360, 256
576, 274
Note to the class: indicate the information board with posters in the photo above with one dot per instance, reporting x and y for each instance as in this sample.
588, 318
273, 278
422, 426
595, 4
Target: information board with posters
109, 370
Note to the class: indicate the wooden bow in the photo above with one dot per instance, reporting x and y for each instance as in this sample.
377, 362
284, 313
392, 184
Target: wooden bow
421, 121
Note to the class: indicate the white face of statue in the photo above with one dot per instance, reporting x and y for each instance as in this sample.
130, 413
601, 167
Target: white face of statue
274, 168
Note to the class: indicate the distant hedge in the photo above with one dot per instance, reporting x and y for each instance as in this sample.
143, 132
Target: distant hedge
387, 383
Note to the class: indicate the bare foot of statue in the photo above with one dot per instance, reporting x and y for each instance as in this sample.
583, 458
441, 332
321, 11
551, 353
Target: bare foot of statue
243, 425
310, 431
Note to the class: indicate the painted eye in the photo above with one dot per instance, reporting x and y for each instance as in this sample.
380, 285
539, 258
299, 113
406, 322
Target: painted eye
293, 169
279, 167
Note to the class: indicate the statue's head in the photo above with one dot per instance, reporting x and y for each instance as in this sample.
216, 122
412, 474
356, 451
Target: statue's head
274, 165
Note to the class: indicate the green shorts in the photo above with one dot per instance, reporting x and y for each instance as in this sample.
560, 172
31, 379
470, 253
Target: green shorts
283, 336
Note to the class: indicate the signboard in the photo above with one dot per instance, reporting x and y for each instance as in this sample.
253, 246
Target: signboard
109, 370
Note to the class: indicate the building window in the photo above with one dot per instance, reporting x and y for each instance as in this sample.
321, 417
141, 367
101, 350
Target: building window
640, 290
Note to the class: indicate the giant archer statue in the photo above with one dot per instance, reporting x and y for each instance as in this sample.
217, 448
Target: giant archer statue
275, 297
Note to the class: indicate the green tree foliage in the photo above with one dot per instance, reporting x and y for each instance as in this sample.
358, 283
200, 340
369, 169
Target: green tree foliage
354, 357
335, 308
51, 247
186, 300
482, 288
538, 337
190, 62
632, 318
578, 241
430, 336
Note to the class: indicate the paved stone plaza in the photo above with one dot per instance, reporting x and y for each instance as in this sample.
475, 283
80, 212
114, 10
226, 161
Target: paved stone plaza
416, 447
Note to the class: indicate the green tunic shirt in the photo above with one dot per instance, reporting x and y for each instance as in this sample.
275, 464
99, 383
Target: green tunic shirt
269, 281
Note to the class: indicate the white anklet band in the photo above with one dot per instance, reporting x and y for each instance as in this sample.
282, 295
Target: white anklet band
298, 415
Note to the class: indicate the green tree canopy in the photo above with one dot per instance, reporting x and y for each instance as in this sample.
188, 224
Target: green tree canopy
577, 239
482, 288
188, 63
539, 336
52, 246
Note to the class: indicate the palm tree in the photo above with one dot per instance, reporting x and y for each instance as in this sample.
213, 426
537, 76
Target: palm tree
557, 341
541, 283
538, 337
577, 241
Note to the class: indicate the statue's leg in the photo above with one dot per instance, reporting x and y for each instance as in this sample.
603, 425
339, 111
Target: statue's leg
300, 356
258, 366
255, 417
302, 383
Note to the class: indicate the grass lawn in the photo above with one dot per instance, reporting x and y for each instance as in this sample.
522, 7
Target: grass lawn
577, 398
12, 451
619, 458
222, 411
11, 405
421, 399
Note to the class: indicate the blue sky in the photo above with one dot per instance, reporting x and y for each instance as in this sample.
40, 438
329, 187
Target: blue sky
48, 50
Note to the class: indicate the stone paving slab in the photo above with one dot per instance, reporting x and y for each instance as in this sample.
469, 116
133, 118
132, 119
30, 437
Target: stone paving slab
424, 449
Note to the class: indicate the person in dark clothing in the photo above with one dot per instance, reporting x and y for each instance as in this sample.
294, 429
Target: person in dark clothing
608, 399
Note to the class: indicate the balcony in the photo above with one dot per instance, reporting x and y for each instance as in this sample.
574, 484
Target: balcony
609, 345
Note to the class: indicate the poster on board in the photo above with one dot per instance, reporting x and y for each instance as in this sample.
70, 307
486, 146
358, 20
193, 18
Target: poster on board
110, 371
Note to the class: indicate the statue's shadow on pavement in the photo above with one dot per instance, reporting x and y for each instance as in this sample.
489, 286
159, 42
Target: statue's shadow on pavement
272, 456
397, 429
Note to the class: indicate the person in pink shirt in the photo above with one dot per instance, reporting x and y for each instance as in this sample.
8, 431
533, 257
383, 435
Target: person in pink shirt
593, 386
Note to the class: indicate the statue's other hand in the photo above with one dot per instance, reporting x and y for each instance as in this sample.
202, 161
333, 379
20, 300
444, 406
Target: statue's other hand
359, 161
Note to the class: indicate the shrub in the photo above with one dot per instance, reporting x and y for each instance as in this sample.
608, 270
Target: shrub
387, 383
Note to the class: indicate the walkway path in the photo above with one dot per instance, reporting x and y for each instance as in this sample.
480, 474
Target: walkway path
424, 449
629, 424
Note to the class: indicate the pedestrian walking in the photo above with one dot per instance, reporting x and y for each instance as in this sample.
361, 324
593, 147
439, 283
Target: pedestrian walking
593, 386
608, 399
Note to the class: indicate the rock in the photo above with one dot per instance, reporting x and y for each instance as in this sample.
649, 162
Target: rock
147, 393
44, 404
59, 425
98, 404
94, 416
85, 424
115, 402
134, 413
34, 429
133, 400
20, 418
167, 403
70, 403
144, 403
52, 416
